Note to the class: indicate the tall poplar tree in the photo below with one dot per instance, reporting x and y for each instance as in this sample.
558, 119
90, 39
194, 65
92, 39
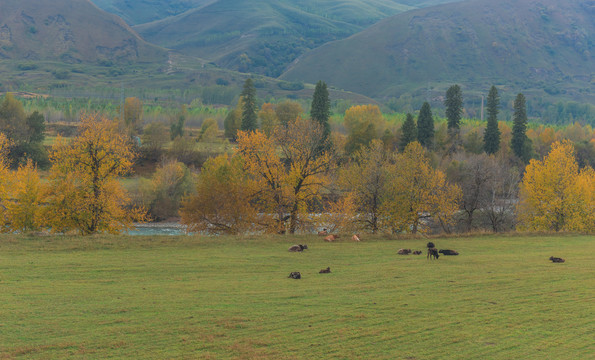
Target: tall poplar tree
425, 126
321, 108
409, 132
491, 136
519, 128
249, 117
454, 107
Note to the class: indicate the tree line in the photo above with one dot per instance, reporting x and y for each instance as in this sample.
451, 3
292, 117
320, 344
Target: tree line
291, 173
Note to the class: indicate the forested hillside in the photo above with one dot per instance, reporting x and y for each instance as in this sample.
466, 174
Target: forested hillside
264, 36
143, 11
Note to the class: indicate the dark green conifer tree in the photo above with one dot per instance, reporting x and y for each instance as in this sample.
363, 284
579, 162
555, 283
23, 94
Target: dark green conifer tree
249, 116
425, 126
491, 136
454, 107
321, 108
408, 133
519, 128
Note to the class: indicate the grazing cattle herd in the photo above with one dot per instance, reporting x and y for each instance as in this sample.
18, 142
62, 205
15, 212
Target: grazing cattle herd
433, 252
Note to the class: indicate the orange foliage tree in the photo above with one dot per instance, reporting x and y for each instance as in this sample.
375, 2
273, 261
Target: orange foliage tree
83, 191
556, 195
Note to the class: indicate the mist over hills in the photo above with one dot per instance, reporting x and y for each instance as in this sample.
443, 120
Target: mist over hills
527, 44
71, 31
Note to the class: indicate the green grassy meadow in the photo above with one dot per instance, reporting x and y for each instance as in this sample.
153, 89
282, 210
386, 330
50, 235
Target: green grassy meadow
134, 297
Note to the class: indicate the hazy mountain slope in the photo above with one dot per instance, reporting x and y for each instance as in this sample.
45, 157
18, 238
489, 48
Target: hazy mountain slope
264, 36
530, 43
69, 30
143, 11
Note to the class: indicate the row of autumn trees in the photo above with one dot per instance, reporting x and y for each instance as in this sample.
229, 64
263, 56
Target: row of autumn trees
291, 168
296, 176
273, 184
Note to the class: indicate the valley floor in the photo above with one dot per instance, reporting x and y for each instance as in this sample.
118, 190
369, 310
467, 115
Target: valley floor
223, 297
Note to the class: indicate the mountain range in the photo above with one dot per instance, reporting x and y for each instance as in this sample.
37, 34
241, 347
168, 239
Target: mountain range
379, 48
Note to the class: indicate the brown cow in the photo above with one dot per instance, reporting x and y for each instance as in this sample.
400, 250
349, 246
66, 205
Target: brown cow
325, 271
417, 252
331, 238
404, 251
323, 232
355, 237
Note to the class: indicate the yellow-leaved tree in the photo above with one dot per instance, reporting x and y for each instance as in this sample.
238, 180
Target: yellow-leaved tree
556, 195
27, 196
268, 118
288, 167
303, 148
363, 123
364, 178
262, 162
222, 203
417, 192
84, 193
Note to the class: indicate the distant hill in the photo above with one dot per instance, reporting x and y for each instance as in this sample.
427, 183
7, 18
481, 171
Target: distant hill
545, 45
264, 36
70, 31
136, 12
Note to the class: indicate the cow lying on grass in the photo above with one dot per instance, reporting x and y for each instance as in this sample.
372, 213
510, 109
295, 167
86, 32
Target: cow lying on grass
298, 248
404, 251
556, 259
355, 237
448, 252
323, 233
417, 252
331, 238
295, 275
325, 271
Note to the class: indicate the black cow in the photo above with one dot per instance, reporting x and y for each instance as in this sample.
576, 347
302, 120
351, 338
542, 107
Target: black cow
295, 275
325, 271
297, 248
448, 252
432, 252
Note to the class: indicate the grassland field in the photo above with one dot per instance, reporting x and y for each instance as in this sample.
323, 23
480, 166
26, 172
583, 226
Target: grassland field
193, 297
